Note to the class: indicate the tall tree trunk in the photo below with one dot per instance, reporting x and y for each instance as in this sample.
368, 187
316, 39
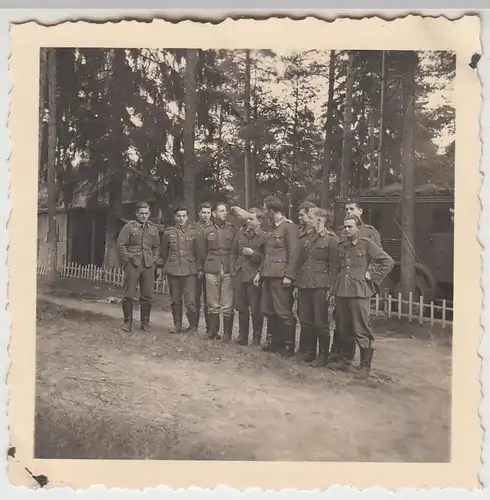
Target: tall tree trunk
246, 119
52, 187
345, 165
189, 130
372, 148
381, 165
42, 103
327, 145
254, 167
408, 176
116, 59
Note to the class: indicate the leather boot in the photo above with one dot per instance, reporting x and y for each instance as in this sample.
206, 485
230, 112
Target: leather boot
193, 321
270, 344
306, 343
145, 310
324, 341
257, 325
213, 324
243, 327
177, 316
228, 327
288, 334
127, 307
348, 353
366, 360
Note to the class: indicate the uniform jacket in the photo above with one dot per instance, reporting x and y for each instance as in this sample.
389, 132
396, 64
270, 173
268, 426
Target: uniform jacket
199, 225
249, 265
365, 231
214, 247
179, 251
318, 263
353, 260
281, 251
139, 244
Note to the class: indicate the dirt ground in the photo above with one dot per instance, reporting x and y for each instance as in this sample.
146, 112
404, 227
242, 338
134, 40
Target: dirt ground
103, 393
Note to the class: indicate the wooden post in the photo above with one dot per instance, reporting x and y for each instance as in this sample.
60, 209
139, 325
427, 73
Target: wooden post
410, 305
421, 312
444, 305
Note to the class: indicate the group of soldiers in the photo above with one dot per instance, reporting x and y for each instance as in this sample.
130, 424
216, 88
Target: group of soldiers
263, 274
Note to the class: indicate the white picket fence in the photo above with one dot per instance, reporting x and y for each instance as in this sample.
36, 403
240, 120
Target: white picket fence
387, 306
413, 310
110, 276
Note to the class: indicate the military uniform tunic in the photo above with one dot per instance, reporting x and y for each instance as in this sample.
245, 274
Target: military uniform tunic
214, 251
245, 267
179, 256
281, 258
201, 282
139, 246
353, 290
315, 278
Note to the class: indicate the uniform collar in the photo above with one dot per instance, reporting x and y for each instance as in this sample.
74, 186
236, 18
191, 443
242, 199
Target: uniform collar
279, 221
141, 224
220, 224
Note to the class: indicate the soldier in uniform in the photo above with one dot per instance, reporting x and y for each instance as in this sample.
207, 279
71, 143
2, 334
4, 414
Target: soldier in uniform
204, 220
303, 230
214, 249
178, 253
246, 258
361, 266
314, 281
352, 207
139, 246
277, 273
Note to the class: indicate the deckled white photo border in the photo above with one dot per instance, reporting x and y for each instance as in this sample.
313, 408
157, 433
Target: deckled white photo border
238, 474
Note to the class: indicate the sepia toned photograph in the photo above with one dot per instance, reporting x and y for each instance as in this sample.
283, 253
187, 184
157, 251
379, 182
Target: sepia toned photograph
200, 215
248, 254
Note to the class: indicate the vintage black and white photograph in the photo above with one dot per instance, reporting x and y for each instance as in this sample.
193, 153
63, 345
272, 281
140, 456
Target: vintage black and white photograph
245, 254
256, 259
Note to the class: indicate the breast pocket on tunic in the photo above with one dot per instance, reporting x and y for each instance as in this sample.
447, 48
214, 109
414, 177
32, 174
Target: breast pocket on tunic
279, 241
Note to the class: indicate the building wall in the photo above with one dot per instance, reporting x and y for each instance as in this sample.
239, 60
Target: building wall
61, 237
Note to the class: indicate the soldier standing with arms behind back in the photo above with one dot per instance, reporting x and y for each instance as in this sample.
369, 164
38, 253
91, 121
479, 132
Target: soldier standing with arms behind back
352, 207
139, 246
277, 274
246, 258
362, 266
314, 282
214, 249
205, 209
179, 251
